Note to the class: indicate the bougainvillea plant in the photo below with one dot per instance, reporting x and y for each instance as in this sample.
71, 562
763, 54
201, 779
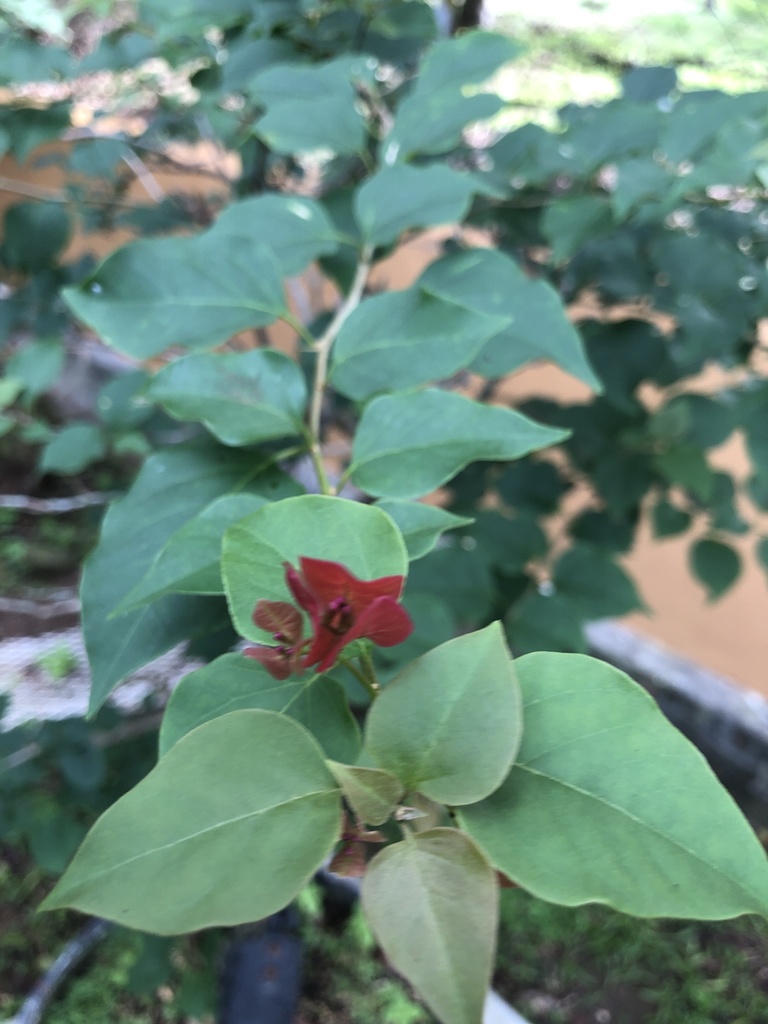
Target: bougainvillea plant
362, 725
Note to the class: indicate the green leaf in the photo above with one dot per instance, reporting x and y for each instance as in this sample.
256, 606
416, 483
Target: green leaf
648, 84
37, 364
546, 622
715, 565
235, 682
687, 466
241, 397
400, 339
459, 578
509, 544
597, 585
371, 793
568, 223
296, 229
486, 281
361, 537
171, 488
421, 525
608, 803
761, 551
34, 235
177, 853
10, 389
432, 118
400, 197
189, 561
407, 445
73, 448
637, 181
309, 108
429, 726
668, 520
196, 292
432, 902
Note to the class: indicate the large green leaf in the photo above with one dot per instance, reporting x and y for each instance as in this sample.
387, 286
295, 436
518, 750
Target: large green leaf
189, 562
241, 397
361, 537
487, 281
198, 291
371, 793
409, 444
296, 229
608, 803
172, 487
227, 828
400, 197
234, 682
421, 525
309, 108
432, 902
570, 222
195, 292
429, 726
399, 339
432, 118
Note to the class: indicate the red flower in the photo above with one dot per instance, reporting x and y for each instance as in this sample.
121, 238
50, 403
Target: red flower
284, 622
344, 608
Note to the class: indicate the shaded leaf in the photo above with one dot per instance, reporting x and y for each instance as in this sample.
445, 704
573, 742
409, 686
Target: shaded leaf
421, 525
371, 793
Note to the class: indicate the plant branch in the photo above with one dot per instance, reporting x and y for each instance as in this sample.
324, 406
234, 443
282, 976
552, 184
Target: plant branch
323, 350
371, 688
56, 506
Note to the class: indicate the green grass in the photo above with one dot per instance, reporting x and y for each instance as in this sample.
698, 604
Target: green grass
561, 965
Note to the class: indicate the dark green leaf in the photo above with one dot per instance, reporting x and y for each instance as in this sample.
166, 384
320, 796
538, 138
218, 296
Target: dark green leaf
34, 234
715, 565
597, 585
669, 521
568, 223
547, 622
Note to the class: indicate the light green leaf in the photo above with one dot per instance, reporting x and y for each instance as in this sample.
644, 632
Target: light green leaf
400, 197
432, 902
432, 118
195, 291
486, 281
171, 488
37, 364
235, 682
10, 389
421, 525
189, 561
714, 564
371, 793
177, 853
400, 339
241, 397
609, 803
407, 445
429, 726
361, 537
73, 448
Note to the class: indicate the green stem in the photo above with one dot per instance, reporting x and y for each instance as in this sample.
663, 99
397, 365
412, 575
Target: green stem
369, 669
371, 687
323, 350
313, 447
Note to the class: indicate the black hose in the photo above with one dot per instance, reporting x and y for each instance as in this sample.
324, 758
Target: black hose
75, 951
